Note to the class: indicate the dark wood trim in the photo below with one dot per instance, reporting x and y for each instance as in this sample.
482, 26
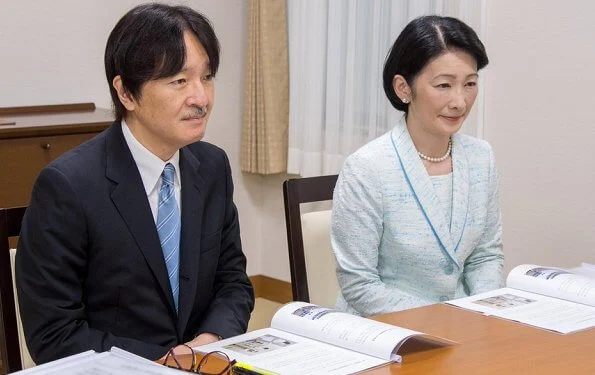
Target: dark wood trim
10, 353
296, 191
70, 121
272, 289
54, 108
6, 122
45, 131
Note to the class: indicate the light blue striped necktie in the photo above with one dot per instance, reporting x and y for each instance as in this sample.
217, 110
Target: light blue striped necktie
168, 228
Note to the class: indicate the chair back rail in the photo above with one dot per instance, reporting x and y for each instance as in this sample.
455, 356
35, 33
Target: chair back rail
295, 192
10, 226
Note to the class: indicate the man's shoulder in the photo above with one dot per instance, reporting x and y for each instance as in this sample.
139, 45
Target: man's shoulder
203, 147
84, 156
207, 153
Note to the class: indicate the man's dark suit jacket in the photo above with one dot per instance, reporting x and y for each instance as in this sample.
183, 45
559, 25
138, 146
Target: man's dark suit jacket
90, 269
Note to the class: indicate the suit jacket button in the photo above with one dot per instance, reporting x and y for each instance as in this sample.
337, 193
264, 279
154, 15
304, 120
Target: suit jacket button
449, 269
444, 298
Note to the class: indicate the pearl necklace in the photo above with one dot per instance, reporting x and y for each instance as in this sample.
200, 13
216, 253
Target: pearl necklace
437, 160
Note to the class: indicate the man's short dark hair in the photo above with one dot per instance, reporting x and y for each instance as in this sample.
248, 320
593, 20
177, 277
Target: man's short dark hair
147, 43
422, 40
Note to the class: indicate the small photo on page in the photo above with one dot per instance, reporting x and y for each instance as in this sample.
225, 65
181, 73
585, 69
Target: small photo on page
258, 345
312, 312
504, 301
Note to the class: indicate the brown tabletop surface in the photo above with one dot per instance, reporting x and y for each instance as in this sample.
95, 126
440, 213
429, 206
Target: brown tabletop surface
488, 345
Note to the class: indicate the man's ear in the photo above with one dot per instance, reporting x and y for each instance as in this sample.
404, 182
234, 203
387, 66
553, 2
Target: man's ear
402, 88
125, 97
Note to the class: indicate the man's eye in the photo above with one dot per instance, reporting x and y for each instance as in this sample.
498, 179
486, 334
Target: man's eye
180, 81
208, 77
443, 85
471, 84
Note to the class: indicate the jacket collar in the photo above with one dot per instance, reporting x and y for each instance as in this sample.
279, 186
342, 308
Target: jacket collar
130, 199
193, 202
448, 235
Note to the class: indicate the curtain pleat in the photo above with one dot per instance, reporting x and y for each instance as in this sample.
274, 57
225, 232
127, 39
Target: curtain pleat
266, 93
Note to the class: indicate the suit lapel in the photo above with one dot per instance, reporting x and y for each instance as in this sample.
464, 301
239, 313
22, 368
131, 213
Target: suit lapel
192, 209
460, 194
422, 188
130, 199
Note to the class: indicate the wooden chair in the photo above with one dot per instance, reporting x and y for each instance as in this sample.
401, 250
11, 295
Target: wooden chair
312, 263
10, 226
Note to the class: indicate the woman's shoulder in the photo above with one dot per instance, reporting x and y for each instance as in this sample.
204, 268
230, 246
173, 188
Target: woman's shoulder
473, 145
371, 161
377, 148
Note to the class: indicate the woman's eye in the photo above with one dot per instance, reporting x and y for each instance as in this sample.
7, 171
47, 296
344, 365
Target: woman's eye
180, 81
471, 84
208, 77
443, 85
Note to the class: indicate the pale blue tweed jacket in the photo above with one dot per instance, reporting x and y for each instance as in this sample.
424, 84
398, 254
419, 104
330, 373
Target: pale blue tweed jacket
393, 245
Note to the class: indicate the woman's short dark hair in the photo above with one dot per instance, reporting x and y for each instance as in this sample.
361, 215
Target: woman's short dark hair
147, 43
422, 40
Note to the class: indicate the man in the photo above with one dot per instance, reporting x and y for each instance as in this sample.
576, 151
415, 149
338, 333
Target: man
132, 239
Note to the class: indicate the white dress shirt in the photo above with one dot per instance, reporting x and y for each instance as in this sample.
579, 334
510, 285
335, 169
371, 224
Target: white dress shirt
151, 167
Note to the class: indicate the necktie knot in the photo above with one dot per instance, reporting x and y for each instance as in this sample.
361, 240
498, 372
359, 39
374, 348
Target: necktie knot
168, 174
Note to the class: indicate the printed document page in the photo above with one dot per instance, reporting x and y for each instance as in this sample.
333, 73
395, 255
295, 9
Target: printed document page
533, 309
310, 339
284, 353
113, 362
553, 282
345, 330
585, 269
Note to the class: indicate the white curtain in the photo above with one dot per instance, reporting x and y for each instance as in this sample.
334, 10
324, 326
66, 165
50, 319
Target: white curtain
337, 50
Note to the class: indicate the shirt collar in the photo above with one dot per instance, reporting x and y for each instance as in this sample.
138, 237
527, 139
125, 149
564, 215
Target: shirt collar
149, 165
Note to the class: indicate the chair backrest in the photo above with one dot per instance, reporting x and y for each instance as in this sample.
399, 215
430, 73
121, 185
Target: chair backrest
26, 359
10, 226
311, 259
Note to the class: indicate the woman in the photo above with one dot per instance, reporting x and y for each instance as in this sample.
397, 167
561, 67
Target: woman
415, 212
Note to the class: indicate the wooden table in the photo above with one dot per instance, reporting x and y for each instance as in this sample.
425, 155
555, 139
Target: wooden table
488, 345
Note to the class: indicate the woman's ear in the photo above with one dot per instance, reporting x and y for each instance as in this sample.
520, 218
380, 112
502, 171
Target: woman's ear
402, 88
125, 98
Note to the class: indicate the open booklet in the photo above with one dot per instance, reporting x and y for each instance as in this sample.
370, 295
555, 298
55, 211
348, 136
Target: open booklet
309, 339
545, 297
114, 361
585, 269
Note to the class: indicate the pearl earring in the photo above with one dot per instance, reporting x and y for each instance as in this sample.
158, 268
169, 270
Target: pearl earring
404, 100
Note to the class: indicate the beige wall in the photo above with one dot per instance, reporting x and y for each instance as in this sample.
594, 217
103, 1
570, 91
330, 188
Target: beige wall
539, 94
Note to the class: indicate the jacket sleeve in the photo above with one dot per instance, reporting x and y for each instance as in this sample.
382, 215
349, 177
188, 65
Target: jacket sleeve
229, 311
484, 267
51, 265
356, 231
